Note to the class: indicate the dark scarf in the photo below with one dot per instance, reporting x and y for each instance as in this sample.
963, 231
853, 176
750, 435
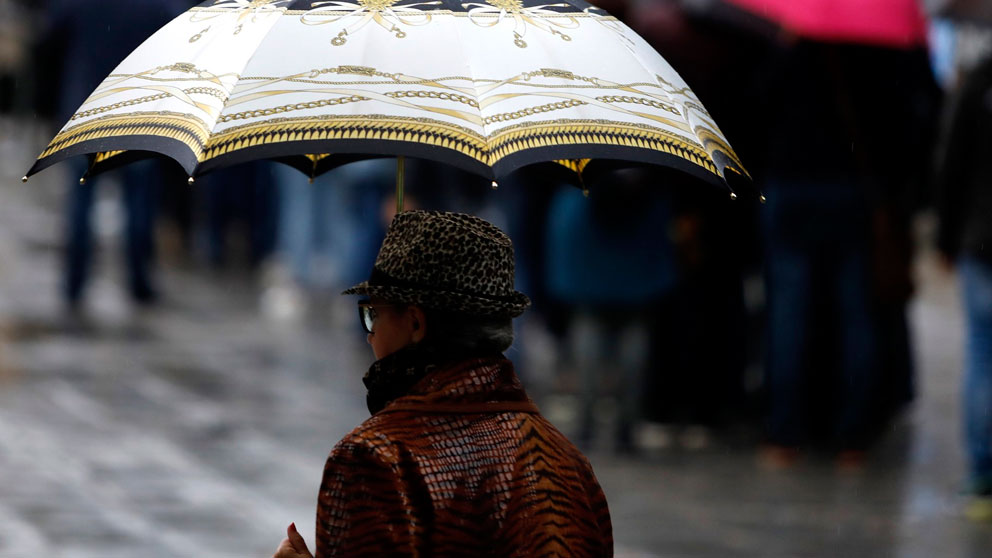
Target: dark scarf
393, 375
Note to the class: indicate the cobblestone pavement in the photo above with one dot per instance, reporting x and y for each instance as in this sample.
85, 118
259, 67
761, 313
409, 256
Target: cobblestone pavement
200, 428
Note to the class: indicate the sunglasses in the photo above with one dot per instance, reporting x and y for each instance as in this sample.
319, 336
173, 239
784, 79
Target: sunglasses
367, 313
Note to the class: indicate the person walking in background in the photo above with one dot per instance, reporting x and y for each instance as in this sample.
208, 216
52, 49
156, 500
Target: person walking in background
964, 203
717, 241
843, 113
456, 460
86, 39
329, 231
610, 260
240, 199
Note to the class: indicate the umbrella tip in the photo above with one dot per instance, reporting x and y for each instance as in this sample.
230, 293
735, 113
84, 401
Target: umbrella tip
495, 185
24, 178
82, 180
585, 192
310, 180
762, 198
190, 181
733, 196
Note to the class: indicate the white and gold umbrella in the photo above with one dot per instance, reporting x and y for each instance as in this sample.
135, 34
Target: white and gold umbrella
486, 85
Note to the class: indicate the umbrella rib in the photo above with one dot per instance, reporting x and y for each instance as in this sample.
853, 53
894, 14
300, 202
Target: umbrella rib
636, 56
478, 99
241, 72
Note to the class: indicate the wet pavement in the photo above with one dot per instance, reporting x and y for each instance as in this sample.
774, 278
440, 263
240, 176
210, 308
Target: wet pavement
200, 428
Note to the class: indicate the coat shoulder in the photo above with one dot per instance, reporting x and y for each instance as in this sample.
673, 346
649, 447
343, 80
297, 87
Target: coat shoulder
375, 438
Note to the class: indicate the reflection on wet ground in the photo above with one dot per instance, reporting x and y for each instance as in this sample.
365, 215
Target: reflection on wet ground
200, 429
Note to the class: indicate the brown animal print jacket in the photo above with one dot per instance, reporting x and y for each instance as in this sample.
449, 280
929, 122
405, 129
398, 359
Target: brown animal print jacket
463, 465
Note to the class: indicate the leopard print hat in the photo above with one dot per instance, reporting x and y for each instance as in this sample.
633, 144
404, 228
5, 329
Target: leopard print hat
446, 261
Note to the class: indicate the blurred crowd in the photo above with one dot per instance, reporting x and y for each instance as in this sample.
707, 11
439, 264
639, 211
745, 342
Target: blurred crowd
650, 290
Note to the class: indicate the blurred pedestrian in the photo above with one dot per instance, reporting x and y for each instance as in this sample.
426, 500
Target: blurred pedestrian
328, 233
715, 50
823, 166
610, 260
240, 213
87, 39
841, 98
329, 230
14, 54
964, 198
455, 460
689, 383
906, 107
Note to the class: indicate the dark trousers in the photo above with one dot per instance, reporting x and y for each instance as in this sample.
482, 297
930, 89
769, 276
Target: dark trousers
818, 255
140, 185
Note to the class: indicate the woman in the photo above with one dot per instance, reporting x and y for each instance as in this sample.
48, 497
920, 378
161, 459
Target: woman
455, 460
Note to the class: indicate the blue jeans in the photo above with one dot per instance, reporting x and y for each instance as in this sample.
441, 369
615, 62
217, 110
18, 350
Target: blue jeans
606, 344
337, 219
242, 193
817, 245
976, 286
140, 185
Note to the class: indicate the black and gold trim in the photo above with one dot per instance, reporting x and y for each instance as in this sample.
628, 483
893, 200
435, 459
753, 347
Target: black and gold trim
578, 166
345, 139
287, 140
594, 133
184, 128
180, 136
296, 151
334, 129
715, 144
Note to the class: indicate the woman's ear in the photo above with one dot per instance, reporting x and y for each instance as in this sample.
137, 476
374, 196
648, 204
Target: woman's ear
418, 323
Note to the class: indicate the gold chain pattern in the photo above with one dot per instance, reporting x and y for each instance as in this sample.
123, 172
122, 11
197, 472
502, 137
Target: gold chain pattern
147, 99
434, 95
639, 101
121, 104
159, 79
289, 108
206, 91
341, 70
530, 111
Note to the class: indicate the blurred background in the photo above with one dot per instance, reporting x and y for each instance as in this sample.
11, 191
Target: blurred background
809, 377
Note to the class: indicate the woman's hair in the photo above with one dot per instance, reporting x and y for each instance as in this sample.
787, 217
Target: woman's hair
465, 333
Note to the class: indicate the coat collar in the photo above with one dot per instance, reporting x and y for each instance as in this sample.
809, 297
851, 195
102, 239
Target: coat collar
481, 385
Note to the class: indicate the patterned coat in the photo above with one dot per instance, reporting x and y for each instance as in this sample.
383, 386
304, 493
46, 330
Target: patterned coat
463, 465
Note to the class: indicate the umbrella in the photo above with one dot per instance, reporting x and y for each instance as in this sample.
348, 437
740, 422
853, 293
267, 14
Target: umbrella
488, 86
895, 23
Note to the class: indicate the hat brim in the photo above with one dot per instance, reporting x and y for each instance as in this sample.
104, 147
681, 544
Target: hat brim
511, 306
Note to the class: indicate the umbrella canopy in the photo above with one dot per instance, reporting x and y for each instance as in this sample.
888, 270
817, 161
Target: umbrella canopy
488, 85
895, 23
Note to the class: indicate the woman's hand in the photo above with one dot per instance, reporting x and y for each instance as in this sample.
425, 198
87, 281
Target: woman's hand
293, 546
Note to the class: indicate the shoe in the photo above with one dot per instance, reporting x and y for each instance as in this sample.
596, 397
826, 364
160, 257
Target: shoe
695, 438
773, 457
144, 296
851, 461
